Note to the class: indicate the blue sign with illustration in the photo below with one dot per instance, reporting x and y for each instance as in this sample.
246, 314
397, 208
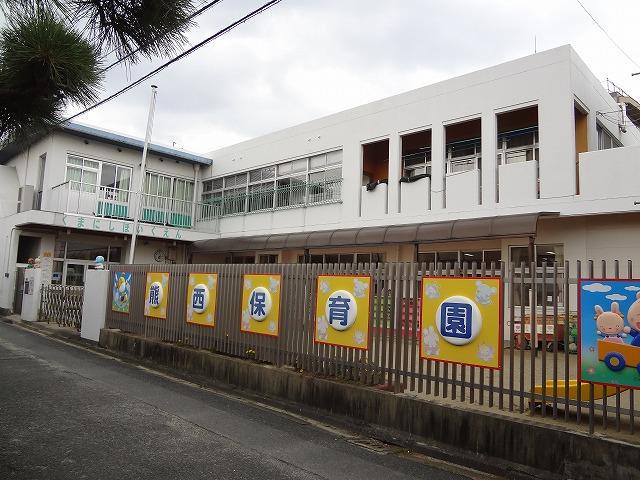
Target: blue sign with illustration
121, 292
609, 331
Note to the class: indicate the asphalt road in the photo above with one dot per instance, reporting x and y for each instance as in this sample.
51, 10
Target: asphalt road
68, 413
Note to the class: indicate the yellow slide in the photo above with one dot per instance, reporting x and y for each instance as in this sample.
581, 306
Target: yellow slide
598, 390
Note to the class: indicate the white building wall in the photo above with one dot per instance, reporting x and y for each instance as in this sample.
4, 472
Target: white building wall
551, 80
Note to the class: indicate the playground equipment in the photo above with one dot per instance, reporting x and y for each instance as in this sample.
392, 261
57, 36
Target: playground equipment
573, 385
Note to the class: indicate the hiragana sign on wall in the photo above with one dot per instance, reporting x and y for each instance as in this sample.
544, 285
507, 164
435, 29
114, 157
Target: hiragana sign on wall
609, 332
261, 304
461, 320
156, 295
342, 310
202, 294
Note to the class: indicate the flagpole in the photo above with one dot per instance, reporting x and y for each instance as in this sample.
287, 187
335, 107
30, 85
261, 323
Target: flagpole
143, 165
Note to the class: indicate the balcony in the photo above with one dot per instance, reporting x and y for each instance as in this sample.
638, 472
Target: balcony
267, 198
517, 160
78, 198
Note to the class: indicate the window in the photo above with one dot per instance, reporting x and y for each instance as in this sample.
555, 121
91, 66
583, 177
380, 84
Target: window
291, 191
82, 173
471, 257
492, 256
417, 164
543, 253
237, 259
605, 139
302, 181
351, 258
465, 256
518, 146
549, 254
520, 255
444, 257
268, 258
260, 196
428, 258
365, 258
212, 191
115, 182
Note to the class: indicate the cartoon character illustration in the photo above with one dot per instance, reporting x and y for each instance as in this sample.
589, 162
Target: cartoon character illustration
122, 289
633, 319
430, 341
484, 293
610, 324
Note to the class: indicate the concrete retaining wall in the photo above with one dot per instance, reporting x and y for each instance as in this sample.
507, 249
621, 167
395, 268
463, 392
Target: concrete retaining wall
560, 452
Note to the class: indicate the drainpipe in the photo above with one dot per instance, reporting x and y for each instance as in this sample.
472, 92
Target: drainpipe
195, 195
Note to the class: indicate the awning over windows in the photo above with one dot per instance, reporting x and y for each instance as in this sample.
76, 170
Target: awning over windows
471, 229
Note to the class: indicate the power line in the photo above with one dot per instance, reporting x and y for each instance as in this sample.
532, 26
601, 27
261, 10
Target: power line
130, 54
608, 36
227, 29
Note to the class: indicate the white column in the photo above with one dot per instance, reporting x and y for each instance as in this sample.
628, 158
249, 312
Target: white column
395, 166
94, 304
437, 166
489, 161
32, 294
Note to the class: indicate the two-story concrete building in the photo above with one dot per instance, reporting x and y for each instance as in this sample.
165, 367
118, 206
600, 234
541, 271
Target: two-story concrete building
71, 195
532, 160
515, 163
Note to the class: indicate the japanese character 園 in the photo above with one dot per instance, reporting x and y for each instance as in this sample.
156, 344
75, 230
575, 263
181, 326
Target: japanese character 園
455, 320
339, 310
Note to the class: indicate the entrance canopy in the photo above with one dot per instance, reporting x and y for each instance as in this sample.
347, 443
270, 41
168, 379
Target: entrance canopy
471, 229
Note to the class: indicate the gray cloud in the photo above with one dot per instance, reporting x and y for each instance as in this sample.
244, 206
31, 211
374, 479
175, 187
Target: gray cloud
304, 59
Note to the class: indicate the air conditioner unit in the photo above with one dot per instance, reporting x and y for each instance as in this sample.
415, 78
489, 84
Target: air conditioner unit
26, 195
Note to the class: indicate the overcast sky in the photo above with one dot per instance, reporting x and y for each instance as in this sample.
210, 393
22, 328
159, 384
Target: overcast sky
303, 59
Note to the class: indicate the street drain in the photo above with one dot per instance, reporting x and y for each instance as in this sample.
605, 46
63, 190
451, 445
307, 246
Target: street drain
373, 445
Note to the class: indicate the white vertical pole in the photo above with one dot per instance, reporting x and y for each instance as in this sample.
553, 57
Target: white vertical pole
143, 164
194, 198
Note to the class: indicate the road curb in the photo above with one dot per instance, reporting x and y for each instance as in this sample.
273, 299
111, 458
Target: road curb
511, 447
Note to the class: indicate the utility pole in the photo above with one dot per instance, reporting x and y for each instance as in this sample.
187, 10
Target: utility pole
143, 165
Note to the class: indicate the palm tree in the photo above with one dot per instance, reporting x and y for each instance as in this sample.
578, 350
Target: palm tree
52, 52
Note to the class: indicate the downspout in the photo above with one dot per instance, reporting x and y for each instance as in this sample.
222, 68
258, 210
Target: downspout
196, 169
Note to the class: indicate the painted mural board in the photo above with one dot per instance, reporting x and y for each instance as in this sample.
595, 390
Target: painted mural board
121, 289
461, 320
609, 332
261, 303
202, 298
343, 305
156, 295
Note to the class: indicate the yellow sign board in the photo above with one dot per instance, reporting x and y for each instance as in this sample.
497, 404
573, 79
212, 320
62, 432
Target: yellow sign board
461, 320
343, 303
261, 304
202, 297
156, 295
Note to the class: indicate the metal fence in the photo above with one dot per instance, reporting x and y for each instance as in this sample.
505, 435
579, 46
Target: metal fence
61, 304
540, 320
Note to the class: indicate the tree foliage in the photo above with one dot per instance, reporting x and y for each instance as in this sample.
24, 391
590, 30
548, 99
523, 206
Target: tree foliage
52, 52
